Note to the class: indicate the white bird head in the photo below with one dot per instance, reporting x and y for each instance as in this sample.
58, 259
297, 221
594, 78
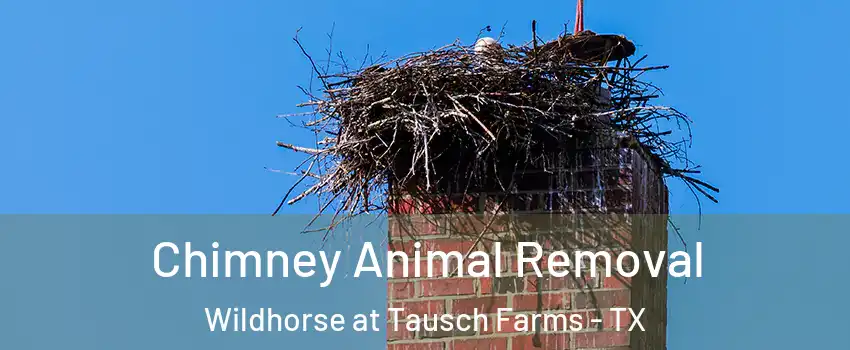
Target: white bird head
485, 44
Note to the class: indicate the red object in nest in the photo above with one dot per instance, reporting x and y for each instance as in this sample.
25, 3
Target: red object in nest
585, 45
579, 17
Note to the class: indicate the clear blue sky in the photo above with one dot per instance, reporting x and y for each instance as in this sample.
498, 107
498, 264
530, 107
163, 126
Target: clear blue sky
169, 106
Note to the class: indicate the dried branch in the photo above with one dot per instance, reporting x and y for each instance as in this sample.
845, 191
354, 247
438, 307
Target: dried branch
452, 121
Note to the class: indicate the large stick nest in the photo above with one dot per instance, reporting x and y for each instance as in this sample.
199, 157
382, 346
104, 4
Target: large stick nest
451, 120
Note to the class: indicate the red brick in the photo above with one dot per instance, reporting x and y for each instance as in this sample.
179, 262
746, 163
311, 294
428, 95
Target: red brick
460, 294
440, 271
559, 341
417, 346
601, 339
398, 269
542, 264
451, 269
413, 226
487, 304
434, 205
479, 344
429, 307
424, 226
504, 264
438, 204
401, 206
447, 286
601, 299
401, 290
586, 317
446, 245
503, 285
548, 301
609, 319
401, 334
508, 325
549, 283
526, 324
472, 225
583, 319
616, 282
397, 226
486, 284
406, 246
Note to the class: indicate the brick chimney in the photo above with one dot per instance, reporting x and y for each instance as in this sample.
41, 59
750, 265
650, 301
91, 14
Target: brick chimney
611, 181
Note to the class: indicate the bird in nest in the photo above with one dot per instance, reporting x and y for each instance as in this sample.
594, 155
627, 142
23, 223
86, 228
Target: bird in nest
489, 51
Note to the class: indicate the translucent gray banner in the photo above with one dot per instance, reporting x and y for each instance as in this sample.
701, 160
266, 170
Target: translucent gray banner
91, 282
